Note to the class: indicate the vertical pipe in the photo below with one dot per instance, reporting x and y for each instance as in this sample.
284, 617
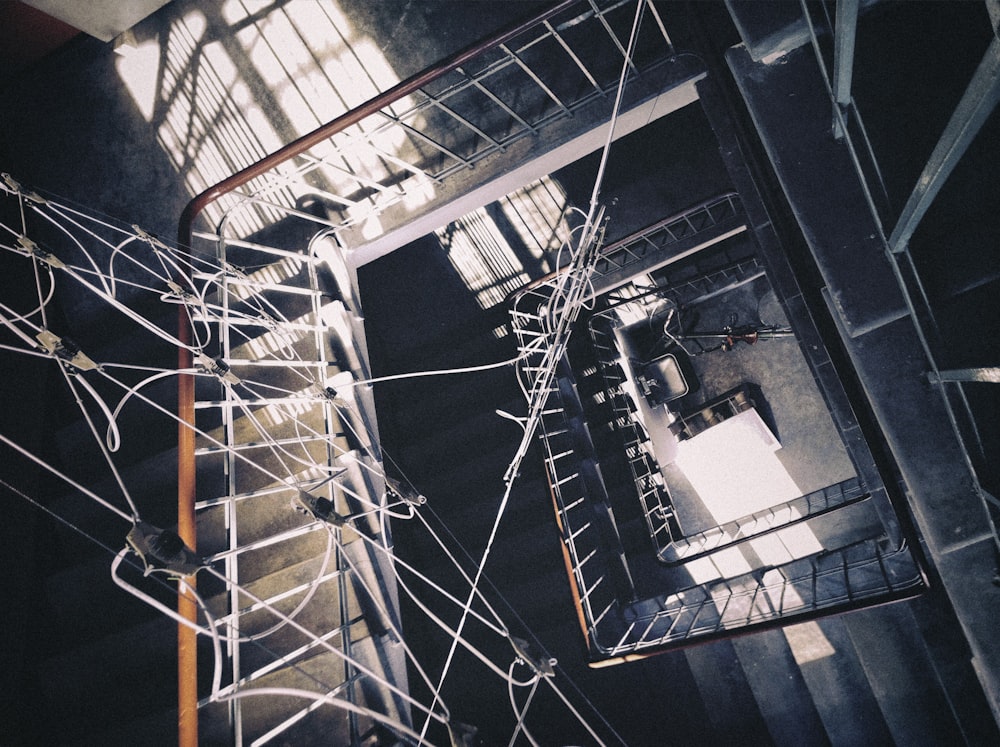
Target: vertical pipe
187, 638
843, 50
843, 59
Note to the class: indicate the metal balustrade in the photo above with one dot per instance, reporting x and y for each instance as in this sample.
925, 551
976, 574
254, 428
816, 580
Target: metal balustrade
279, 416
968, 117
661, 518
395, 148
666, 240
824, 584
452, 116
618, 622
573, 495
796, 511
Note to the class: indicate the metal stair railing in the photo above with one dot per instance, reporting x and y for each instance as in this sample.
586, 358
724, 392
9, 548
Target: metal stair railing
650, 244
828, 583
351, 170
662, 522
268, 407
450, 117
619, 628
795, 511
587, 550
671, 543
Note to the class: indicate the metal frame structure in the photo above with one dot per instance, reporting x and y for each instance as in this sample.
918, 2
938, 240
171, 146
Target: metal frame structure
977, 103
450, 117
619, 626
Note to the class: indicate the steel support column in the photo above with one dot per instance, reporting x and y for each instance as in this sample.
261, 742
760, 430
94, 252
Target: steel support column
843, 56
975, 106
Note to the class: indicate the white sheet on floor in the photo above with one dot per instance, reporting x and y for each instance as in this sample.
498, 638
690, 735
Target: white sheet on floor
734, 468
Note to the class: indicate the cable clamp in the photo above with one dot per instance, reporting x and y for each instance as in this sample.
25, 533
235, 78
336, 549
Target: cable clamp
318, 507
235, 270
269, 321
395, 489
38, 253
331, 394
543, 666
220, 368
15, 186
149, 238
163, 551
12, 184
66, 350
181, 293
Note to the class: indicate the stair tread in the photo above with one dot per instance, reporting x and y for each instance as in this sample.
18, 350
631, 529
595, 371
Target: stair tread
901, 676
779, 689
837, 682
732, 711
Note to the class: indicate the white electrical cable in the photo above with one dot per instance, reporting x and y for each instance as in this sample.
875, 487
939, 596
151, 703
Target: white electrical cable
310, 594
388, 721
105, 448
361, 667
520, 713
438, 372
567, 293
65, 478
74, 239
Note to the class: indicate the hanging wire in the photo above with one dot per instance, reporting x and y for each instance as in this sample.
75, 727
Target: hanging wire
106, 285
110, 439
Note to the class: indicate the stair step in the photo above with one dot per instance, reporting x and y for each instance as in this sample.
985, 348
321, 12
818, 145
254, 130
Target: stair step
115, 678
479, 473
901, 675
460, 341
151, 728
837, 682
732, 712
261, 714
88, 586
779, 689
952, 659
529, 503
461, 441
438, 402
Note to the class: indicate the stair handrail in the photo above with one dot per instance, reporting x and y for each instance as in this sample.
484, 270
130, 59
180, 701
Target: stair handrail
187, 643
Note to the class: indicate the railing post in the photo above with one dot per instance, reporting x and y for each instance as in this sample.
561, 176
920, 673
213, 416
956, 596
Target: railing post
977, 102
989, 375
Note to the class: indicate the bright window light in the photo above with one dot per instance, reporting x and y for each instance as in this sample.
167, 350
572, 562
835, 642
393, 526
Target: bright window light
218, 108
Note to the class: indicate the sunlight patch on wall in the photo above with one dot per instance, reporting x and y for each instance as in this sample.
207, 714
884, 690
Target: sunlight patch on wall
482, 257
538, 214
491, 246
228, 85
137, 67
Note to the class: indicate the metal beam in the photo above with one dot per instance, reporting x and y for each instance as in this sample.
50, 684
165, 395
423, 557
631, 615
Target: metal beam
989, 375
977, 102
